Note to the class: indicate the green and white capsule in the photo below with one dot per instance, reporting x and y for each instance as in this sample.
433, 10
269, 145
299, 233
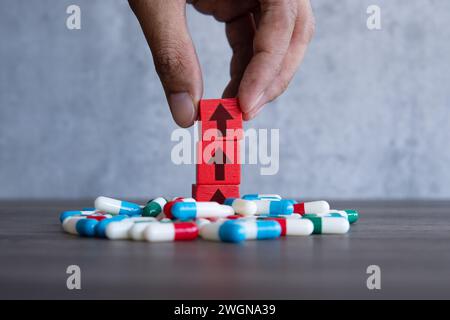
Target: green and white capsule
351, 215
328, 225
332, 214
154, 207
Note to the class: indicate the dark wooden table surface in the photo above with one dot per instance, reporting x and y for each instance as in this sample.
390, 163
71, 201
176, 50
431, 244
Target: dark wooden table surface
408, 240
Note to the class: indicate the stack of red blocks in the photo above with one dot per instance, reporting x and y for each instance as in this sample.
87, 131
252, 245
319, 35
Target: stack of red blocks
218, 151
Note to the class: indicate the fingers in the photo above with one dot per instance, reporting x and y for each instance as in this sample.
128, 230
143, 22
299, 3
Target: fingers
270, 45
225, 10
303, 32
164, 25
240, 33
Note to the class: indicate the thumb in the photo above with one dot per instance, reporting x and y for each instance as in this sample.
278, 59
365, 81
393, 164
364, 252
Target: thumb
174, 56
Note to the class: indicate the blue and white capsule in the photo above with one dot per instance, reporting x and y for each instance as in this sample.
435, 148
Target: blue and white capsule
100, 228
83, 225
86, 227
114, 206
69, 224
194, 210
240, 230
273, 207
257, 196
67, 214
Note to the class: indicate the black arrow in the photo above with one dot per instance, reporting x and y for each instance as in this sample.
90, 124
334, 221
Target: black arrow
221, 115
218, 197
219, 158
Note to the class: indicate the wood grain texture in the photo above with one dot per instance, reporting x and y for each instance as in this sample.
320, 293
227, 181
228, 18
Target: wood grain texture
409, 240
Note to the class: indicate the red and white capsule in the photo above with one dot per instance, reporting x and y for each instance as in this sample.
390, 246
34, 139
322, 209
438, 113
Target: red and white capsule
99, 216
312, 207
294, 227
177, 231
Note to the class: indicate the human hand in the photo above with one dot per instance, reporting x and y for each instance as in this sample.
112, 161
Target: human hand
269, 39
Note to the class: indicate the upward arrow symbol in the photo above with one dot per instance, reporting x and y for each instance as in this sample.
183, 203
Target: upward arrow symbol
218, 197
219, 158
221, 115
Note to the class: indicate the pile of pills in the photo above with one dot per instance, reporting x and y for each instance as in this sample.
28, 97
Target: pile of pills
252, 217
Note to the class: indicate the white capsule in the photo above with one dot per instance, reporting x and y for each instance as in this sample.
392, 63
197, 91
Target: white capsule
118, 230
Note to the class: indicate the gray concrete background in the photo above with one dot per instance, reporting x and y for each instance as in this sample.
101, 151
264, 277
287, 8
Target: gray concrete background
82, 112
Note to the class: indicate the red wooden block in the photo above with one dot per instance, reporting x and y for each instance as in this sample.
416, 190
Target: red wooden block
220, 119
218, 162
218, 193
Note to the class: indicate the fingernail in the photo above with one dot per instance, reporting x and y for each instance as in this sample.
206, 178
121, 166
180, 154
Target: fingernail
255, 112
256, 103
182, 108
